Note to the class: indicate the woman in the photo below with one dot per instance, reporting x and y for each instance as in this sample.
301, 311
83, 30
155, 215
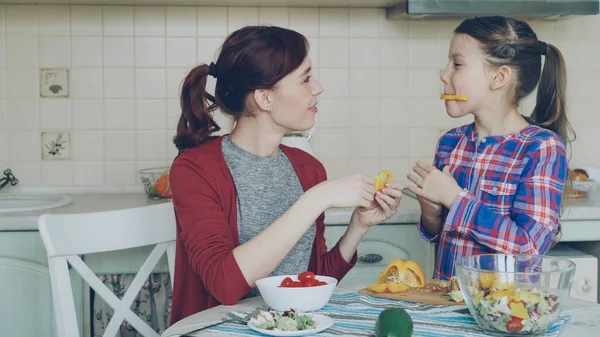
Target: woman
246, 206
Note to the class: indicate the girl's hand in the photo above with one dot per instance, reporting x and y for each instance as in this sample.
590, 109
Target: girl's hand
428, 208
434, 185
384, 205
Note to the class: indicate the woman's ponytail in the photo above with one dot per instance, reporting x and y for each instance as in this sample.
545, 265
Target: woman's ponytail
196, 123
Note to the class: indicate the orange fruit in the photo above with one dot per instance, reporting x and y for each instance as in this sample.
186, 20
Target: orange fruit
163, 187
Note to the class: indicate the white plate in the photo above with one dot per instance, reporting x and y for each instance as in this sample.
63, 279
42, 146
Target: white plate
322, 322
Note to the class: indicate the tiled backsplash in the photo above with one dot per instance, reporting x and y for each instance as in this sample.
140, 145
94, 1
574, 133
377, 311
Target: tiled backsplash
380, 108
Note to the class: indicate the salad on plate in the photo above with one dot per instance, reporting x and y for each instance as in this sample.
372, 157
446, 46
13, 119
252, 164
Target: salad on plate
289, 320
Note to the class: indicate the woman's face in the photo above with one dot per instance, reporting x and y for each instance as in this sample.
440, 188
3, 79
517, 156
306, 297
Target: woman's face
295, 102
467, 74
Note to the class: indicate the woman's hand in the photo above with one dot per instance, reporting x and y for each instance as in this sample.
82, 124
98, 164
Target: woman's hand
433, 185
384, 205
348, 191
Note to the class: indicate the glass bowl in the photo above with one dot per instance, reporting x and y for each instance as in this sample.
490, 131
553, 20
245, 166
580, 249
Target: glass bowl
156, 182
515, 294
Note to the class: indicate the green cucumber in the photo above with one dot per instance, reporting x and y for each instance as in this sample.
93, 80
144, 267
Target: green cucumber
394, 322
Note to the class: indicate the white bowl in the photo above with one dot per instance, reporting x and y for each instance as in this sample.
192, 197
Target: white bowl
301, 299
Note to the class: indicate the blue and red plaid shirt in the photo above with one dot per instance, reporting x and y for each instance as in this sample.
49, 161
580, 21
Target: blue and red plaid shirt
511, 198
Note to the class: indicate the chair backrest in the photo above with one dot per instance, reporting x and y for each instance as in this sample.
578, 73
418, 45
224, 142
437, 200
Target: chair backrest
67, 236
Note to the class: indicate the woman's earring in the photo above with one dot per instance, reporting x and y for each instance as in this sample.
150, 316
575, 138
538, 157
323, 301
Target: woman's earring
270, 110
493, 86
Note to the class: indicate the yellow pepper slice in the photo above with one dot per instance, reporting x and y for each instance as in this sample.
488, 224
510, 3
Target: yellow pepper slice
377, 288
454, 97
508, 292
393, 288
518, 310
398, 288
382, 179
399, 271
488, 280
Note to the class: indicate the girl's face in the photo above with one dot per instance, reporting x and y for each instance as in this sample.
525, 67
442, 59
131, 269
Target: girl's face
295, 99
467, 73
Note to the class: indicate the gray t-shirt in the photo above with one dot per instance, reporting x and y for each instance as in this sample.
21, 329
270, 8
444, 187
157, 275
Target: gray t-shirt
266, 187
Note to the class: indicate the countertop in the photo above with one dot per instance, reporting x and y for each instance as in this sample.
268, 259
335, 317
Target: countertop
584, 212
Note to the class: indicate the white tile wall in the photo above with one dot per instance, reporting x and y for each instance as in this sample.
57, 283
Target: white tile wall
379, 109
55, 113
117, 21
181, 21
54, 52
274, 16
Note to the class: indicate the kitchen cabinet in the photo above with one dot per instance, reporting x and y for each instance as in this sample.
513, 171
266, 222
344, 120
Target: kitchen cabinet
26, 305
382, 244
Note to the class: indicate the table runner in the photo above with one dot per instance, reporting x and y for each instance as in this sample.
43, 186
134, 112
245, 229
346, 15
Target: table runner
355, 314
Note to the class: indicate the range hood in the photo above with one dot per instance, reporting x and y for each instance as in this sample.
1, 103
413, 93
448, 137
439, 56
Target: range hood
522, 9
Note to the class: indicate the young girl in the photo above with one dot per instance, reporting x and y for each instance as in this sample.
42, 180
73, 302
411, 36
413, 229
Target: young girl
496, 184
246, 206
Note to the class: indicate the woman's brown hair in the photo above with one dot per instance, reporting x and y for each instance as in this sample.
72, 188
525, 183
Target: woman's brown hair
251, 58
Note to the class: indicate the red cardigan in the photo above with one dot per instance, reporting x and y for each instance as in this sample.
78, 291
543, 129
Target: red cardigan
206, 272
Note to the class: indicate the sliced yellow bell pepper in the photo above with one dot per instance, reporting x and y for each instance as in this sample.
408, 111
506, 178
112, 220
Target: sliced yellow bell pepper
398, 288
508, 292
382, 179
518, 310
448, 97
488, 280
377, 288
393, 288
399, 271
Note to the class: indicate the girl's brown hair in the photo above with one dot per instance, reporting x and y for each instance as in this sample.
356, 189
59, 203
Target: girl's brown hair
511, 42
251, 58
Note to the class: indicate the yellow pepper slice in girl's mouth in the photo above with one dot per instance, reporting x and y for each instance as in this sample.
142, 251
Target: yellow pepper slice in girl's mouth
382, 179
448, 97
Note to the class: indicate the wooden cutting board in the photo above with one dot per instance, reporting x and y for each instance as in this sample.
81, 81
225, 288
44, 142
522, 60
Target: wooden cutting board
432, 293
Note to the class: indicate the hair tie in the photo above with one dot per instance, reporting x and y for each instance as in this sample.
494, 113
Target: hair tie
543, 47
212, 69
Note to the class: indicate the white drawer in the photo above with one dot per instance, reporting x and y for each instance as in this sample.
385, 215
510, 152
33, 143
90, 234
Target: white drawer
381, 245
585, 284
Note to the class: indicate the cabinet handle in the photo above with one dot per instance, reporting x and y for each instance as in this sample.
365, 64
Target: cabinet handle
370, 258
586, 287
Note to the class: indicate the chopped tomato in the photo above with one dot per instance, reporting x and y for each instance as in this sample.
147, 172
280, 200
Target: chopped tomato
296, 284
311, 283
515, 324
286, 282
307, 275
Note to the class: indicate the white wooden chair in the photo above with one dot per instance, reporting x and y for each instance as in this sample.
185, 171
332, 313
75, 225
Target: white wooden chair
67, 236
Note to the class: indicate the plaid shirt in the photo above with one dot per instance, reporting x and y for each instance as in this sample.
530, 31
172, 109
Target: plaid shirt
512, 192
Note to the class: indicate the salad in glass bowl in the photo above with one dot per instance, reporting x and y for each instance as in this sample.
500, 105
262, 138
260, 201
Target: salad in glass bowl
515, 294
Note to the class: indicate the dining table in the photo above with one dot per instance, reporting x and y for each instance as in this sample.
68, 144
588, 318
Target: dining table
585, 320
